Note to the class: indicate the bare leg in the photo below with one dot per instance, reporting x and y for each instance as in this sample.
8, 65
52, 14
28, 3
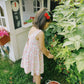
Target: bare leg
37, 79
34, 77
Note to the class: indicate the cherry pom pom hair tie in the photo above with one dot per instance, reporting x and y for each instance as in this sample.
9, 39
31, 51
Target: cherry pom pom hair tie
47, 15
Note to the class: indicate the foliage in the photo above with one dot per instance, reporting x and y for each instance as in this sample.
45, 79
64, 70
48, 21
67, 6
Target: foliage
70, 19
73, 76
71, 1
51, 73
63, 57
78, 58
64, 39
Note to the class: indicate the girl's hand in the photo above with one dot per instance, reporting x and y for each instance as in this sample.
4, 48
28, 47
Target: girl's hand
50, 56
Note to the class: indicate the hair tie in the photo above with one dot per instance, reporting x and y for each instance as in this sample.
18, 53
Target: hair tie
47, 15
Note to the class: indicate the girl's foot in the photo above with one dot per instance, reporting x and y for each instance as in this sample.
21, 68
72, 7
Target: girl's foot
34, 80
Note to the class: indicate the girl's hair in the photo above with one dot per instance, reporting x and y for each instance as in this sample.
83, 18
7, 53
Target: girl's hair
40, 20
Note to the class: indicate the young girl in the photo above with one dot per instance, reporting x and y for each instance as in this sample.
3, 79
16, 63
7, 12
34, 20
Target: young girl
32, 59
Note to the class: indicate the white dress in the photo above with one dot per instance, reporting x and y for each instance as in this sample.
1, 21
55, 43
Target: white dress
32, 59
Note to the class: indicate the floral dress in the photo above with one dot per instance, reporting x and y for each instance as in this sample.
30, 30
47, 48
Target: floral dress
32, 59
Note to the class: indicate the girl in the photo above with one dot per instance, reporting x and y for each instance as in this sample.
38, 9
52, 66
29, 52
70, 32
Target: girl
32, 59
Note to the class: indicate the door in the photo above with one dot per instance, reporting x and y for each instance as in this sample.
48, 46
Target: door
18, 32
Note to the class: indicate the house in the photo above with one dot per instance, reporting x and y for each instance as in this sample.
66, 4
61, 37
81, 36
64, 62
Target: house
14, 17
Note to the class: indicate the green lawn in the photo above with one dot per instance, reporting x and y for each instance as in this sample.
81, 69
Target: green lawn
12, 73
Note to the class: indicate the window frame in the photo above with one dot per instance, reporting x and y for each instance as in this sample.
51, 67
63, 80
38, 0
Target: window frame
23, 6
36, 7
45, 4
2, 17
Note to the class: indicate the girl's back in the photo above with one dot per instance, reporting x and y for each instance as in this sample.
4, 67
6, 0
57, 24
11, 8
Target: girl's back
32, 38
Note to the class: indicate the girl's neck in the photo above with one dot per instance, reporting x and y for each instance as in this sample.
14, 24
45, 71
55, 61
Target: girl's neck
34, 26
32, 30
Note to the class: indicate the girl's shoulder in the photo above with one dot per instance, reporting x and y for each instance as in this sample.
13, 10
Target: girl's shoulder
40, 34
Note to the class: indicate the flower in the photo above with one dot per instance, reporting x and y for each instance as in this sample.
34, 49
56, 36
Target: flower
3, 32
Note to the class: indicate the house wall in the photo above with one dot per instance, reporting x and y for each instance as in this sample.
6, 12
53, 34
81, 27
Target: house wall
7, 14
18, 36
29, 11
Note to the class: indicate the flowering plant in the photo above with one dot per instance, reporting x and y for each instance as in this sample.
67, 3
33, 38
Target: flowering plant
3, 32
4, 36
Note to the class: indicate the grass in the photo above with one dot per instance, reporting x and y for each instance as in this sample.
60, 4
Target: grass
12, 73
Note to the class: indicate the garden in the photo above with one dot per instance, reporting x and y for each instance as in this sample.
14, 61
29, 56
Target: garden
64, 37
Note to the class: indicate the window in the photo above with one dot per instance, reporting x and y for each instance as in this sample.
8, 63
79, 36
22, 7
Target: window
2, 18
23, 5
27, 12
45, 3
36, 4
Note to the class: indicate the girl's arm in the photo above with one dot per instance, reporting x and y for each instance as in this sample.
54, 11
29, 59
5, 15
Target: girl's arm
42, 45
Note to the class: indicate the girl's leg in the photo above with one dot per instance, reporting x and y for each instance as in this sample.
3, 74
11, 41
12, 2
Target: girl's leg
34, 78
37, 78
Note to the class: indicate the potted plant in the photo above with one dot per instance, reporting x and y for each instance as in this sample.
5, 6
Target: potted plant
4, 36
53, 82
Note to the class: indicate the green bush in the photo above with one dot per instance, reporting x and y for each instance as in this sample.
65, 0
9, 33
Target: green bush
65, 39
